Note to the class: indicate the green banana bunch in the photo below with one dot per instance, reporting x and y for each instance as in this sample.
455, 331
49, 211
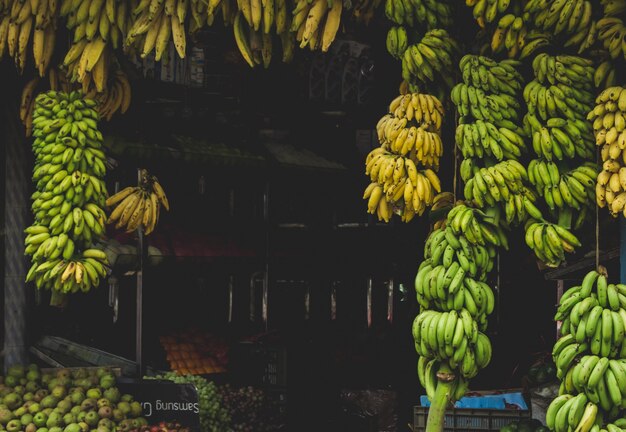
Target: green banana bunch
590, 356
611, 31
549, 241
476, 226
604, 75
495, 184
397, 41
443, 247
501, 110
491, 76
572, 71
486, 12
608, 118
428, 376
558, 100
568, 412
571, 19
482, 139
435, 14
560, 138
70, 194
431, 58
452, 337
534, 41
455, 300
574, 189
510, 35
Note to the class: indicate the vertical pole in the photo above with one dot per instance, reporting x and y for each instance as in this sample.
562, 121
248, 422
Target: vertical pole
15, 216
622, 250
266, 278
139, 306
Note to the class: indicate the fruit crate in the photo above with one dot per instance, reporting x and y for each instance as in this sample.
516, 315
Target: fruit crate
470, 420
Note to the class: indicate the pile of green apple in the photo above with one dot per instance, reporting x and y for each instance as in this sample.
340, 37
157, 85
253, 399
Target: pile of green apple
65, 400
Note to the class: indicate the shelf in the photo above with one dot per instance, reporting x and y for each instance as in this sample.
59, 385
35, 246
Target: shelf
571, 271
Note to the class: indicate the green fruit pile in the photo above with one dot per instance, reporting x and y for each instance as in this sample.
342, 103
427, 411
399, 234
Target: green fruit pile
214, 417
431, 13
64, 400
590, 357
70, 194
455, 301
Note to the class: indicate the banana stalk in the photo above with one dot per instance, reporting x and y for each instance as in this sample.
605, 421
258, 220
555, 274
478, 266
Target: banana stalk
443, 395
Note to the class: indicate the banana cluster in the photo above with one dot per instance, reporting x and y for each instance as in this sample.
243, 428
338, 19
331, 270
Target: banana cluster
413, 127
502, 183
21, 21
510, 35
432, 13
488, 108
70, 193
568, 412
451, 337
431, 58
574, 189
609, 123
591, 356
604, 75
559, 138
486, 12
571, 19
429, 376
610, 31
410, 140
549, 241
316, 23
455, 300
154, 23
397, 41
396, 182
138, 206
458, 259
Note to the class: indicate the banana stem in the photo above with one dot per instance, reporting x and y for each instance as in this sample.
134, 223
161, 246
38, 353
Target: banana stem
443, 395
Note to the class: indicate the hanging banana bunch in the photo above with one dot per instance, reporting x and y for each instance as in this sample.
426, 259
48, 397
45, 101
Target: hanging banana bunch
24, 21
138, 206
316, 23
433, 14
609, 125
569, 20
611, 30
410, 139
430, 59
70, 193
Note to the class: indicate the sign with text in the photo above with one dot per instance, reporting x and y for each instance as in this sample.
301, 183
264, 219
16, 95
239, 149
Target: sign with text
165, 401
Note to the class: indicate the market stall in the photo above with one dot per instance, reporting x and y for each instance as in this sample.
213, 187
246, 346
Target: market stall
262, 215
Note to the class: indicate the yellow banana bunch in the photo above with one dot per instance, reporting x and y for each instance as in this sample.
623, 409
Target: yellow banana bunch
604, 75
154, 23
138, 206
609, 125
115, 97
24, 21
69, 196
409, 136
316, 23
